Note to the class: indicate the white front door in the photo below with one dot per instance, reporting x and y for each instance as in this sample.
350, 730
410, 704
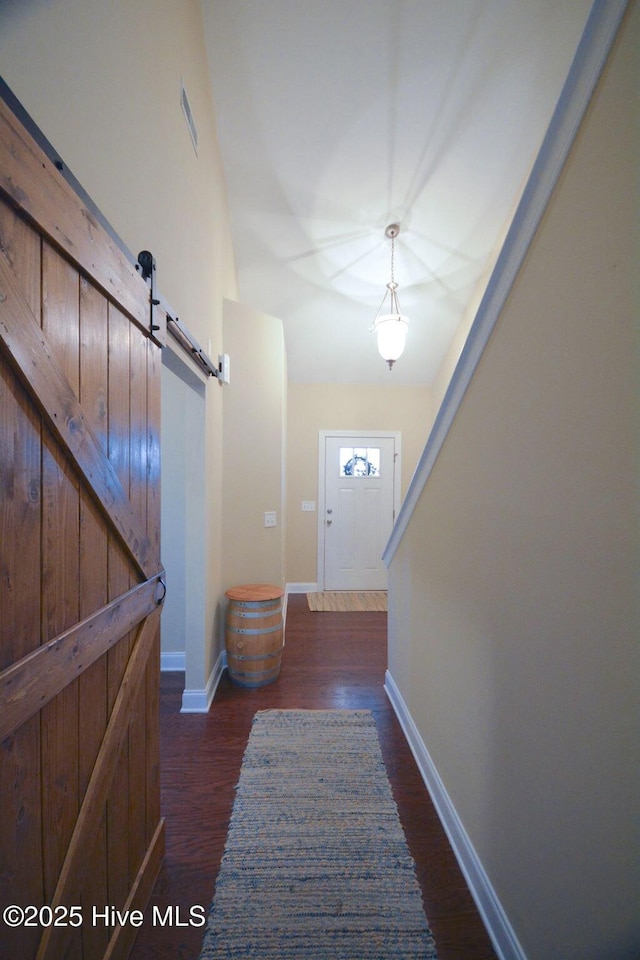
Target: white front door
358, 508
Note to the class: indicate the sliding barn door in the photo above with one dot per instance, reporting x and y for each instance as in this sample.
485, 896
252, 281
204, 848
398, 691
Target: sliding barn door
80, 576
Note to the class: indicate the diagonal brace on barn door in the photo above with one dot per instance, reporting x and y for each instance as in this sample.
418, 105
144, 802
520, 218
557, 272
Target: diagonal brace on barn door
30, 683
76, 862
28, 349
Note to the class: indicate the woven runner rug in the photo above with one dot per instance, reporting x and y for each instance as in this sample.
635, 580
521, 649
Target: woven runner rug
345, 601
316, 865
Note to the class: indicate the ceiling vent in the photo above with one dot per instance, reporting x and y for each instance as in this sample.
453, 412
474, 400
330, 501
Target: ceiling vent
186, 109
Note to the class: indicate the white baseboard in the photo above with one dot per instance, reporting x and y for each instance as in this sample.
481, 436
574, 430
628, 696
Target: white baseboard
172, 661
199, 701
494, 918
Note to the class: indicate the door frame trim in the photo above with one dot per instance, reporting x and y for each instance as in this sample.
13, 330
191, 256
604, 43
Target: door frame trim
323, 435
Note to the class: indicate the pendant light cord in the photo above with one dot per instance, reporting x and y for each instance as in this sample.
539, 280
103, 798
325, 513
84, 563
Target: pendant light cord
391, 290
393, 248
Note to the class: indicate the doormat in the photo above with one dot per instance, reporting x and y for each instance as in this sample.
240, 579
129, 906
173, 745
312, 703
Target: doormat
347, 601
316, 864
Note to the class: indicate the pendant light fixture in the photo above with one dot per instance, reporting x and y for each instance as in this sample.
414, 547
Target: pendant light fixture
391, 328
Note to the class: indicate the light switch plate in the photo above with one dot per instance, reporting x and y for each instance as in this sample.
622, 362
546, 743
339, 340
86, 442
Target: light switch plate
270, 519
308, 506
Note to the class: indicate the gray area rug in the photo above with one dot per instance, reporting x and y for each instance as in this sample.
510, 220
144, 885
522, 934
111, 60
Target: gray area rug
316, 865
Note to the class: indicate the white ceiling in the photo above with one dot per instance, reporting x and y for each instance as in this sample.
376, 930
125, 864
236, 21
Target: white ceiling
338, 117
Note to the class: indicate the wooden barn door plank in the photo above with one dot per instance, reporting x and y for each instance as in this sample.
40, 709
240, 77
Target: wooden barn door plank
120, 333
20, 503
138, 499
153, 532
60, 580
20, 497
94, 549
36, 361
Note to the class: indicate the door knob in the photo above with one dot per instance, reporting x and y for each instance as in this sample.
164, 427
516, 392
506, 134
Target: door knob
329, 522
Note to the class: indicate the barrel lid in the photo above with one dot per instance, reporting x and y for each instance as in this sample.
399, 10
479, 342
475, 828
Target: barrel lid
254, 591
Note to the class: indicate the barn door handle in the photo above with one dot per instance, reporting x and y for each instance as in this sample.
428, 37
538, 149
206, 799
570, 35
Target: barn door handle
160, 599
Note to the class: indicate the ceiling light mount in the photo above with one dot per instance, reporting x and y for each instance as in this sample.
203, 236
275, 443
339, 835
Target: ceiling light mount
391, 327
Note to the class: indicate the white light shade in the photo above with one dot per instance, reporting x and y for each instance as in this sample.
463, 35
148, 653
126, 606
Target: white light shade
391, 332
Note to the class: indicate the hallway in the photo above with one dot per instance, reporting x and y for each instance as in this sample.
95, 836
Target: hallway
331, 660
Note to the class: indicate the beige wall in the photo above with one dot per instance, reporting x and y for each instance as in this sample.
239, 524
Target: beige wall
450, 360
253, 448
514, 618
315, 407
102, 80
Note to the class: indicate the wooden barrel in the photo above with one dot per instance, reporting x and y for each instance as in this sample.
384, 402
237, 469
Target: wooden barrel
254, 633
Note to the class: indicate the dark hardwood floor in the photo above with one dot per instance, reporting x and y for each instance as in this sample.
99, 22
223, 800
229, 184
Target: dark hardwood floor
331, 660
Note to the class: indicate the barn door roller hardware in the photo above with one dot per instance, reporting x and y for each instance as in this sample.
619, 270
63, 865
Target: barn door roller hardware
147, 268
